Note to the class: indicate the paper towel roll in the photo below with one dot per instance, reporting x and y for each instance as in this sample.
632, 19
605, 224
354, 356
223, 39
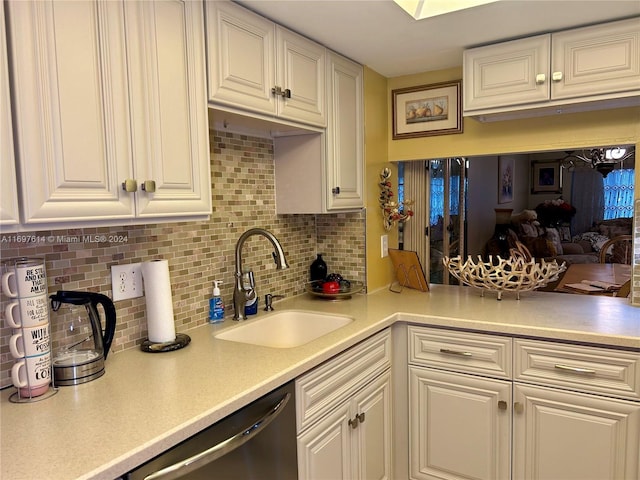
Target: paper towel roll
157, 292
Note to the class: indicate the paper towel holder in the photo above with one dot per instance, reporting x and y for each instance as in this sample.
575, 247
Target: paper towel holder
181, 341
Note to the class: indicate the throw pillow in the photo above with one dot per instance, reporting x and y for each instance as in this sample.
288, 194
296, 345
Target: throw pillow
529, 230
594, 238
554, 237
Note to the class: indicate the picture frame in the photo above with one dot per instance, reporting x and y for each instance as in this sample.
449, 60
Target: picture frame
546, 177
506, 172
427, 110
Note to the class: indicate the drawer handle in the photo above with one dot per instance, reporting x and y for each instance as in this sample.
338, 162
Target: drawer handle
455, 352
569, 368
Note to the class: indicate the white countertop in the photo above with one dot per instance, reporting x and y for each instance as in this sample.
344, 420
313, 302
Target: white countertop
148, 402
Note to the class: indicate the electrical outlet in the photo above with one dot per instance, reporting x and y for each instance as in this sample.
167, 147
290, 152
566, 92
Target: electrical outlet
384, 246
126, 281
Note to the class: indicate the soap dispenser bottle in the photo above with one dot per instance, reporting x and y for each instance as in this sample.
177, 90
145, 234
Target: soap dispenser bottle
216, 305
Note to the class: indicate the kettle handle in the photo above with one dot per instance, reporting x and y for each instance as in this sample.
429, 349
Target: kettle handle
110, 319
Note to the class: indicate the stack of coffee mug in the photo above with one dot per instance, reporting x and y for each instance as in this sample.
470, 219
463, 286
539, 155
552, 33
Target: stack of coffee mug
24, 281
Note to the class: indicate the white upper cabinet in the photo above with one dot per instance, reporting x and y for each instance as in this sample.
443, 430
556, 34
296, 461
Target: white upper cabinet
258, 66
345, 134
106, 94
71, 110
9, 214
509, 73
596, 60
581, 69
324, 172
166, 62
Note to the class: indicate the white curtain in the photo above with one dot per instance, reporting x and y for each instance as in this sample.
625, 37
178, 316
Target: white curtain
587, 196
416, 188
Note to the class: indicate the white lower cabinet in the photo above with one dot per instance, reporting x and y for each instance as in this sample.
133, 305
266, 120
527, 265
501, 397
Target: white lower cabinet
569, 435
343, 410
354, 440
460, 426
567, 412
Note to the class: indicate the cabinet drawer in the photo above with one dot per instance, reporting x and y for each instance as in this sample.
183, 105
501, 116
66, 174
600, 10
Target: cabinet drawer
460, 351
322, 389
577, 367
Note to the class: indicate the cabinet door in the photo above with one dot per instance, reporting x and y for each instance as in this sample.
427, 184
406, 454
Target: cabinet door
241, 50
601, 59
568, 435
459, 425
9, 214
509, 73
169, 107
300, 71
345, 133
373, 432
71, 109
324, 450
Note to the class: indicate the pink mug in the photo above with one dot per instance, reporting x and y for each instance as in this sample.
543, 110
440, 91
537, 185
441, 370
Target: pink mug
32, 375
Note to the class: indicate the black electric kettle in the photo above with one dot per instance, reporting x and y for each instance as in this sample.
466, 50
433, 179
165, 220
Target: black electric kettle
79, 344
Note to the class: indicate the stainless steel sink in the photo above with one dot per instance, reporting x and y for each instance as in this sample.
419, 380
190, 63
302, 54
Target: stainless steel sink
285, 329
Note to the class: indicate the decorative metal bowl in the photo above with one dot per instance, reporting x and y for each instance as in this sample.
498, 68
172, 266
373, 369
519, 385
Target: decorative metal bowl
315, 289
504, 275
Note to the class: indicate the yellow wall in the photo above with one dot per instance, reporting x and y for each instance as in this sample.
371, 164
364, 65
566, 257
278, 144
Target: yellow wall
570, 131
376, 146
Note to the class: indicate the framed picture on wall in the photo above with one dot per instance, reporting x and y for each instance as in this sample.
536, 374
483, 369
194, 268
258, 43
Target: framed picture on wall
546, 177
505, 179
427, 110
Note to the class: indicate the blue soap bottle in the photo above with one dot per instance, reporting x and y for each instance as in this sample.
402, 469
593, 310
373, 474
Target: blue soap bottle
216, 305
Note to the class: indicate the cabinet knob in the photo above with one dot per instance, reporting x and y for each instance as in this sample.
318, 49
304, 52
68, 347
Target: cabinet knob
518, 407
286, 93
335, 190
502, 405
540, 78
130, 185
556, 76
149, 186
360, 417
353, 422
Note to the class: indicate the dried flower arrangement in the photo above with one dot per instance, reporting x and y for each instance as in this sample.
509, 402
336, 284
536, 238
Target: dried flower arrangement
392, 211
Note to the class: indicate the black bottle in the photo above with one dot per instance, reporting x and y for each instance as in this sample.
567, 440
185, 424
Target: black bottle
318, 270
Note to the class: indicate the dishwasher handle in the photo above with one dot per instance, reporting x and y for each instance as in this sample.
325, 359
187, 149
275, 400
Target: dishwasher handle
179, 469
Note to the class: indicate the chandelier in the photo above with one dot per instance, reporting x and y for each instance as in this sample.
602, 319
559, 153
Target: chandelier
603, 160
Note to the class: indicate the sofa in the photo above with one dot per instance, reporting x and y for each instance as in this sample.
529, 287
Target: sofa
547, 242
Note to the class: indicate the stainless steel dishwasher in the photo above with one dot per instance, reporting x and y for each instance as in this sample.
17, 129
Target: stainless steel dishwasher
257, 442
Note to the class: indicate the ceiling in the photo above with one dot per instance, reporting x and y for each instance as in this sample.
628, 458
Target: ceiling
382, 36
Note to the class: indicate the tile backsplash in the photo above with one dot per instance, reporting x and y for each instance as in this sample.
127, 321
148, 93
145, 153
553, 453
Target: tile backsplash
199, 252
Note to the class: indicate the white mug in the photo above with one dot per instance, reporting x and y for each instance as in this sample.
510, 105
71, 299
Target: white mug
32, 375
27, 312
24, 277
30, 342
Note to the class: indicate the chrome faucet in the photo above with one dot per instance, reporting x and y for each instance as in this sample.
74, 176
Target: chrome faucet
241, 294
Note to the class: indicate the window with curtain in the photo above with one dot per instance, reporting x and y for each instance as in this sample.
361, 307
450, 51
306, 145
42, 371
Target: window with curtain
618, 193
437, 198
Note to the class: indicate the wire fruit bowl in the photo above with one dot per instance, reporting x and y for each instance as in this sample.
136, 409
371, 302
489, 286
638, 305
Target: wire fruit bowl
499, 275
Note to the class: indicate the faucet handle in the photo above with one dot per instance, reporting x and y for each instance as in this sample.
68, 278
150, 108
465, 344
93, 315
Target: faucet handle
268, 299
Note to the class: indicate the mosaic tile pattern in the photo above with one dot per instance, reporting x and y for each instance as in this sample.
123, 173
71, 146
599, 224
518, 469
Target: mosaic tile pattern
243, 191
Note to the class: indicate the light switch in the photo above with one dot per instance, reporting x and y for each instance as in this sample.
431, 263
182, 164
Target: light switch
384, 246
